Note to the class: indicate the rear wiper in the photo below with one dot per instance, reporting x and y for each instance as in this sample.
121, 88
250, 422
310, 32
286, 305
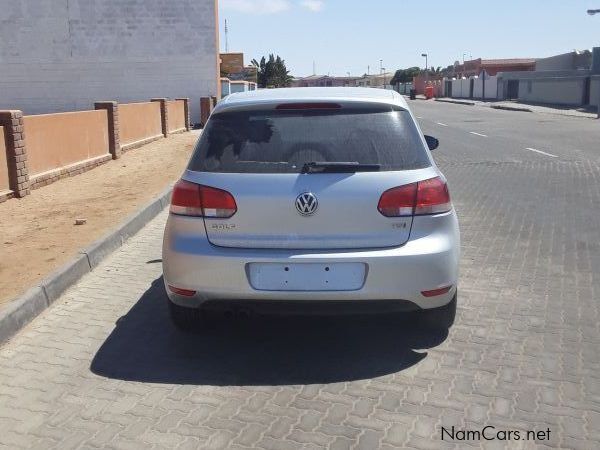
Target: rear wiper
339, 167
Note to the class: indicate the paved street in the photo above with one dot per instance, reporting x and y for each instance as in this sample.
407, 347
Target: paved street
103, 367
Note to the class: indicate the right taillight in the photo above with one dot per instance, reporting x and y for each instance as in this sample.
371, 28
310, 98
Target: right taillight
432, 197
421, 198
191, 199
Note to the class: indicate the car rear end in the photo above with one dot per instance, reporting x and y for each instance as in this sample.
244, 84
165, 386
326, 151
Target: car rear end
303, 200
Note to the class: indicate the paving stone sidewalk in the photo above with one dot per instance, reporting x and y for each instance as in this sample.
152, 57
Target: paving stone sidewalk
104, 368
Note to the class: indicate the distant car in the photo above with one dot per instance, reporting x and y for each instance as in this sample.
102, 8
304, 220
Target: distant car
312, 197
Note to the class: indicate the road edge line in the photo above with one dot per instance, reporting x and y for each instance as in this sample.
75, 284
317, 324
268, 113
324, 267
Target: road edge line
17, 313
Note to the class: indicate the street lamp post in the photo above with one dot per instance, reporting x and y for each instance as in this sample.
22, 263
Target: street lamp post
424, 55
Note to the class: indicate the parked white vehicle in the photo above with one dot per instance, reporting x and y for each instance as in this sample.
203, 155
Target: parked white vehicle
311, 197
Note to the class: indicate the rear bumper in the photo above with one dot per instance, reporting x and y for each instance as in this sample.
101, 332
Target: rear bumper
429, 260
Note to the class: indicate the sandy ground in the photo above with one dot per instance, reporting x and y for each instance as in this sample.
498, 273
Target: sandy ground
38, 233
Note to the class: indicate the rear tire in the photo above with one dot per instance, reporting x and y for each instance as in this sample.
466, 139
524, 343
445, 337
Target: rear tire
184, 319
442, 317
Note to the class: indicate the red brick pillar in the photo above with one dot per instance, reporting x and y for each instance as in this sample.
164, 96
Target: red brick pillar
16, 152
114, 137
164, 114
206, 107
186, 112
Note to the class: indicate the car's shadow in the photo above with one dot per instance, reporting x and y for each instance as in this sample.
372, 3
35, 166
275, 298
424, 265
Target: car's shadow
145, 346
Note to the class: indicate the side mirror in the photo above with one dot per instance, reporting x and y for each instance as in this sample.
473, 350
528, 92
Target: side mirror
432, 142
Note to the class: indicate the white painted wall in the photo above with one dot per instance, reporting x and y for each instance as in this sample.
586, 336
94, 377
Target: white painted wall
491, 87
460, 88
62, 55
478, 88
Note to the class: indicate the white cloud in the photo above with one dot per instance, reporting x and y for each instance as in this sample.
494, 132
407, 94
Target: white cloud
313, 5
256, 6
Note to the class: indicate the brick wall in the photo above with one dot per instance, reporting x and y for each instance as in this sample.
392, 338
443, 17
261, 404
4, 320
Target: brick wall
232, 62
4, 180
62, 55
16, 153
206, 107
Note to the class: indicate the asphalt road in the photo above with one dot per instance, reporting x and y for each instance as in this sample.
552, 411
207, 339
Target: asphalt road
475, 132
103, 367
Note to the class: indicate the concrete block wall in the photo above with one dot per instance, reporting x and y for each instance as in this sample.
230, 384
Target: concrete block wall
595, 91
559, 91
61, 55
559, 87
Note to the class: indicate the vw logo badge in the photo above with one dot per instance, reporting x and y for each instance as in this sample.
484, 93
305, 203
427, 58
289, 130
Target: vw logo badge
307, 204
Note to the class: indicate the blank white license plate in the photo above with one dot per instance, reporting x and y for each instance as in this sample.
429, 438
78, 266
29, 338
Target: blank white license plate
307, 276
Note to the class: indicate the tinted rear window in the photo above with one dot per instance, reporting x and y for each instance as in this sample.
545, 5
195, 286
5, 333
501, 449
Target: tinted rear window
280, 141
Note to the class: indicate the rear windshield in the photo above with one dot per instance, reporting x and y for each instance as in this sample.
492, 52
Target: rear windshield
282, 141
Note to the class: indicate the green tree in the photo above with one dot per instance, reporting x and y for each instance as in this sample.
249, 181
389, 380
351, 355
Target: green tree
272, 72
405, 75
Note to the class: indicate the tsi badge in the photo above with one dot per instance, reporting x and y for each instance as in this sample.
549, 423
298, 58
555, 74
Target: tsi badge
307, 204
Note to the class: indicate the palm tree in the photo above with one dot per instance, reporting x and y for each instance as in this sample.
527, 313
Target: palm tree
435, 72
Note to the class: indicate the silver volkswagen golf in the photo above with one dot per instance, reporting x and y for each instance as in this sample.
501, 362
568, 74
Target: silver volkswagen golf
312, 198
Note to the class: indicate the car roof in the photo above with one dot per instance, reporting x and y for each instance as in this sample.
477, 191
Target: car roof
317, 94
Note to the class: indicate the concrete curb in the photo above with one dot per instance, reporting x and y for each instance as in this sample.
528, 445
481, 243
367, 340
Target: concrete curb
511, 108
104, 246
25, 308
504, 107
21, 311
59, 281
458, 102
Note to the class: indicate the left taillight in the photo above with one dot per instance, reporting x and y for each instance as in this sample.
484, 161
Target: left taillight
399, 201
191, 199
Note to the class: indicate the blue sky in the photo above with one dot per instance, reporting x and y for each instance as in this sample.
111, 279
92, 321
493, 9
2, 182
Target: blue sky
343, 36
